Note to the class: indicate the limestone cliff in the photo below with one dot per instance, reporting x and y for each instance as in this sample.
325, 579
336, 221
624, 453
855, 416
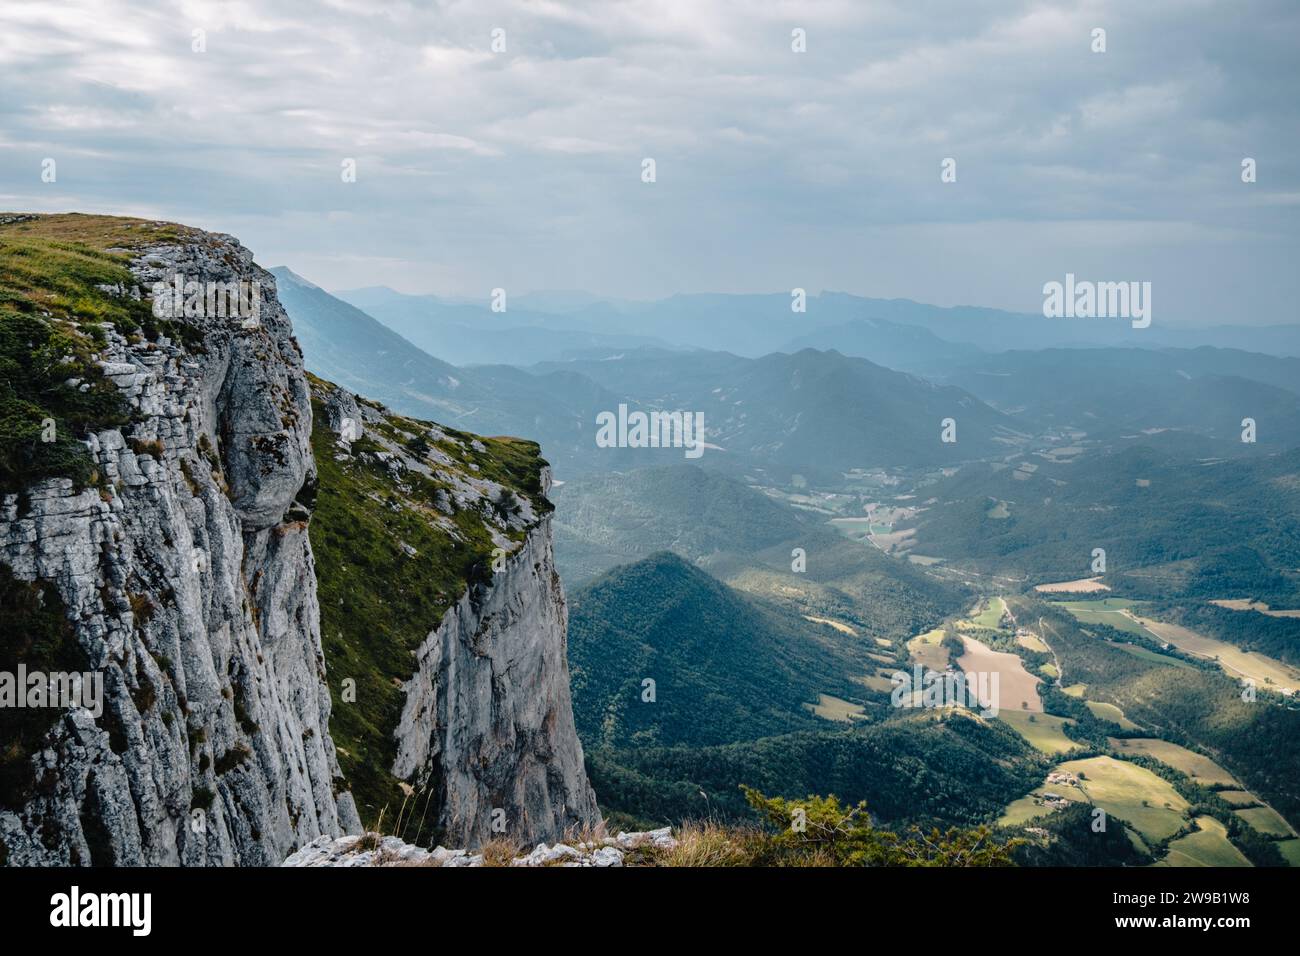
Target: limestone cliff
466, 732
258, 565
488, 709
185, 570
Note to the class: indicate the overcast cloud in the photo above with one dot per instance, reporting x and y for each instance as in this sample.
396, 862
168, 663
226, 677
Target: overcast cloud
775, 169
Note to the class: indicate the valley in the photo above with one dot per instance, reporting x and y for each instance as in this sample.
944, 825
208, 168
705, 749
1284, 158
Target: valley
1058, 647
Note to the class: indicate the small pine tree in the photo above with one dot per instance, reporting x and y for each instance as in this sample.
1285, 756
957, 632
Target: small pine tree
828, 832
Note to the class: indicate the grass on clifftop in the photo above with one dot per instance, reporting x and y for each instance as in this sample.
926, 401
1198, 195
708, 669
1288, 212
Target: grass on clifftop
379, 602
101, 233
52, 318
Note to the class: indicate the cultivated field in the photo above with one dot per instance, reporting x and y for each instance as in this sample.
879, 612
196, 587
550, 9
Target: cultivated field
1290, 850
1022, 811
1131, 793
1266, 820
1108, 611
1208, 846
894, 540
833, 708
1104, 711
1081, 586
1266, 671
878, 682
1260, 606
1017, 688
1033, 643
1197, 766
838, 625
1124, 790
1043, 731
855, 529
925, 649
991, 615
1239, 798
1153, 657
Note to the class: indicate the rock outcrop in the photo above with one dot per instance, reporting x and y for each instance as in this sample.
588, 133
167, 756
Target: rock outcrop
373, 850
485, 744
189, 578
488, 709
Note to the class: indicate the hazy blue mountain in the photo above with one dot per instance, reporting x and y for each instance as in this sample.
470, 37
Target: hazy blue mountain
344, 344
812, 413
656, 375
908, 348
569, 301
820, 412
1279, 371
470, 333
605, 520
756, 324
1113, 392
995, 329
466, 345
816, 413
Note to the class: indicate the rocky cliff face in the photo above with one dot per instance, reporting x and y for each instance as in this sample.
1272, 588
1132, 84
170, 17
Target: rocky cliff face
187, 574
483, 742
254, 585
488, 709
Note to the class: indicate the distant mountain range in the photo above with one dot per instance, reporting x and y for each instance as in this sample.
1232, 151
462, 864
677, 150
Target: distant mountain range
756, 324
811, 413
1112, 392
612, 519
345, 345
533, 329
909, 348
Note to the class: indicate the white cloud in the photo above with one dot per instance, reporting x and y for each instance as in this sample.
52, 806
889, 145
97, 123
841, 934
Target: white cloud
475, 163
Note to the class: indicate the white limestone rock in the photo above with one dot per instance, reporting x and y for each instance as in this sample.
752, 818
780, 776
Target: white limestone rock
488, 709
372, 850
195, 595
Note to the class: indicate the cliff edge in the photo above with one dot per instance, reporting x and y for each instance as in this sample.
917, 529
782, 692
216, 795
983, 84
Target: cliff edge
245, 578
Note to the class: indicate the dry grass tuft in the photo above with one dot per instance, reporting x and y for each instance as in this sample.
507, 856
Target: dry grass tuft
575, 836
709, 844
500, 851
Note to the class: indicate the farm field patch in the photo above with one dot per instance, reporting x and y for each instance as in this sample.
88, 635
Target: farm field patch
1197, 766
1208, 846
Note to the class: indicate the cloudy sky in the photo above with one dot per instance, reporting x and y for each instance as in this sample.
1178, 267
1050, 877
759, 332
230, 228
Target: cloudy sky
775, 169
